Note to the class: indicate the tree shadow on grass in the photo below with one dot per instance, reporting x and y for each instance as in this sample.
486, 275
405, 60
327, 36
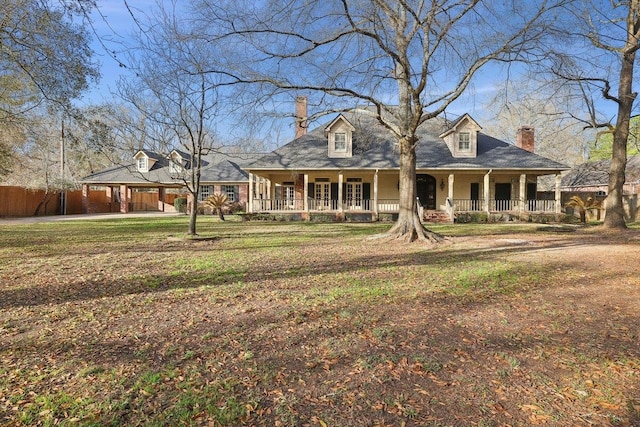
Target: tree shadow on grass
352, 362
298, 268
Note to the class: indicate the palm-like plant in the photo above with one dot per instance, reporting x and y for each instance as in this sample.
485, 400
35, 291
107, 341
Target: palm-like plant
577, 202
217, 202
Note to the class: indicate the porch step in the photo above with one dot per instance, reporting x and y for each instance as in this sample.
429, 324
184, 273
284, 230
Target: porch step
435, 216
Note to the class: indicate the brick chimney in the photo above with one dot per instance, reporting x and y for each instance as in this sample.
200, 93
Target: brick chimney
525, 138
301, 116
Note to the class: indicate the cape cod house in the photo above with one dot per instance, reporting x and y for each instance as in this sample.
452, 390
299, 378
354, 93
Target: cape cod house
351, 166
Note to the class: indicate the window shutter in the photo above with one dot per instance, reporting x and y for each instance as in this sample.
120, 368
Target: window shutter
334, 191
366, 190
311, 188
344, 191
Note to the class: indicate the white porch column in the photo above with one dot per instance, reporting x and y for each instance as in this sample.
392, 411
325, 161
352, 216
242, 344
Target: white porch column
486, 191
305, 192
450, 187
340, 181
268, 183
558, 194
375, 194
250, 195
523, 192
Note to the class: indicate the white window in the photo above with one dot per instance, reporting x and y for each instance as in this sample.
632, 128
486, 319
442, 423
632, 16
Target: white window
340, 141
205, 191
175, 165
288, 195
323, 193
464, 141
142, 164
231, 191
354, 192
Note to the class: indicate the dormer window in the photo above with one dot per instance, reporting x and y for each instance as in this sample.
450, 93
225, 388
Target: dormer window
340, 141
339, 138
175, 164
145, 160
464, 141
143, 165
462, 137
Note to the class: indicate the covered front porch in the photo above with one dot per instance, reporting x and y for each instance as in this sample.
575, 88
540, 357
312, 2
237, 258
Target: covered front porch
376, 192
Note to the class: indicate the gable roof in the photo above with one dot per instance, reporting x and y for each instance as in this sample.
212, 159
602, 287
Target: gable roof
216, 167
597, 173
340, 118
454, 124
150, 154
374, 148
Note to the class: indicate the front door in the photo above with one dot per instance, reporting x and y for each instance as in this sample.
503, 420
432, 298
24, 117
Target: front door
426, 190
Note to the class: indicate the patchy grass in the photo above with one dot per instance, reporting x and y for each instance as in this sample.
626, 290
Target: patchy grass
120, 323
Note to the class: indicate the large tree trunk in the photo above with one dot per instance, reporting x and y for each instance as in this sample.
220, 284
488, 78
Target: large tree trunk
193, 215
409, 227
614, 208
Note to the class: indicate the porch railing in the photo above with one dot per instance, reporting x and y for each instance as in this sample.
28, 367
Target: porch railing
393, 205
541, 206
333, 205
388, 205
268, 205
466, 205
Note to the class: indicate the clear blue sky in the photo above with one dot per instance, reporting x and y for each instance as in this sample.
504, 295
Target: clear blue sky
114, 24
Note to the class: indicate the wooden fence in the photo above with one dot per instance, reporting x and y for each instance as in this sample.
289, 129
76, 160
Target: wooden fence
19, 201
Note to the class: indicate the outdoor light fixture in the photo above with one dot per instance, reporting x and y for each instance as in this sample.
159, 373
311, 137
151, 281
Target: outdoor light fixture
441, 184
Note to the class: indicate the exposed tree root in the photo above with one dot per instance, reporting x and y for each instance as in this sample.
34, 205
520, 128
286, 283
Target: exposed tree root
614, 222
411, 230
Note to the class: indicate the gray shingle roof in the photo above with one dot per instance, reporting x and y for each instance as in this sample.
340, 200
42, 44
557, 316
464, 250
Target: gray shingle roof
217, 167
374, 148
597, 173
225, 171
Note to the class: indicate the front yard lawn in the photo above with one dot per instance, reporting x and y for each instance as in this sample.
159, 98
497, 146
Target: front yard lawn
124, 322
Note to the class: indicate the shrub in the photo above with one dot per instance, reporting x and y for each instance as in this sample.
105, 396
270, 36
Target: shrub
217, 202
576, 202
235, 207
180, 203
471, 217
387, 217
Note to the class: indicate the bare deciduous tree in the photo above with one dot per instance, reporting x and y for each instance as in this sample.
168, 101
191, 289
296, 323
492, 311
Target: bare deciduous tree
603, 42
418, 55
525, 101
171, 89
